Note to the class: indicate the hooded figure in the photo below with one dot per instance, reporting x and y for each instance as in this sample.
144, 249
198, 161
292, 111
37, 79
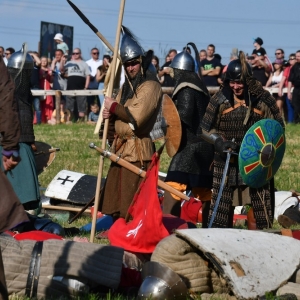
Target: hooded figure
132, 116
240, 103
24, 177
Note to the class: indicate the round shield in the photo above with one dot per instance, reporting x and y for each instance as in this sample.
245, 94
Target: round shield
44, 155
261, 152
171, 125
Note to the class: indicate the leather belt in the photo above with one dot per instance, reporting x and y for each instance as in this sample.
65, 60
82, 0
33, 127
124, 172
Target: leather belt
34, 270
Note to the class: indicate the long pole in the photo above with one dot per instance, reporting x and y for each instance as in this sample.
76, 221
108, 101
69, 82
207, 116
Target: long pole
122, 162
109, 94
86, 21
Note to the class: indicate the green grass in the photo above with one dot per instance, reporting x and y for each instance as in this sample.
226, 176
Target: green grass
75, 154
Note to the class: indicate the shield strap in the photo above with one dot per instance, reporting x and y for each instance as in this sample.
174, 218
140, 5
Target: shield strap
34, 270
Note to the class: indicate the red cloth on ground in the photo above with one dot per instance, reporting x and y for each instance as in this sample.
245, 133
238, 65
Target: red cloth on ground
35, 235
146, 229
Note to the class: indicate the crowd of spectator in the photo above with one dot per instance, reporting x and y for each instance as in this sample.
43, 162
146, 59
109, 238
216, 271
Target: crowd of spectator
70, 72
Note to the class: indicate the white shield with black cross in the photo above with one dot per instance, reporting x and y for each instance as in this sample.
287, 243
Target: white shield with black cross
74, 187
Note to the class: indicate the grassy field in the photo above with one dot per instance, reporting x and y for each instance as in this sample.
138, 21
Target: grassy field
75, 154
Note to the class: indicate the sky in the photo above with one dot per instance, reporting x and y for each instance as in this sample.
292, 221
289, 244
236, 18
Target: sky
159, 24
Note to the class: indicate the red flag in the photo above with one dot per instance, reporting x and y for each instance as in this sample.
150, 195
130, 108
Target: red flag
146, 229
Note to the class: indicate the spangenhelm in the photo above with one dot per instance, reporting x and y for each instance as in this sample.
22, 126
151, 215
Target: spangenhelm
20, 59
234, 70
130, 48
183, 61
161, 282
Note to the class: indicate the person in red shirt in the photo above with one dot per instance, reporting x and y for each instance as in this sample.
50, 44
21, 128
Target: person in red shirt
284, 83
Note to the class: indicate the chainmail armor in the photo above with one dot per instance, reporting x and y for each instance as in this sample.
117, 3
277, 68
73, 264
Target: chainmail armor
194, 155
22, 95
226, 125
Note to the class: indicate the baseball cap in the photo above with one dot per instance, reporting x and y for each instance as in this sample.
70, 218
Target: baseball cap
58, 36
278, 61
258, 40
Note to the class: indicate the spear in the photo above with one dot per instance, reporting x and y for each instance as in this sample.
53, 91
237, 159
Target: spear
86, 21
109, 94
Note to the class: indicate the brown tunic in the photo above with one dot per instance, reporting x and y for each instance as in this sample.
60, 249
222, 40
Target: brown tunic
12, 211
133, 143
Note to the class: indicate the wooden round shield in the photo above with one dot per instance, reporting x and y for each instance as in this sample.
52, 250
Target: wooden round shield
261, 152
172, 125
44, 155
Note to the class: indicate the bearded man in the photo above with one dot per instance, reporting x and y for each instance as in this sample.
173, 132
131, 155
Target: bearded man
240, 103
190, 167
133, 113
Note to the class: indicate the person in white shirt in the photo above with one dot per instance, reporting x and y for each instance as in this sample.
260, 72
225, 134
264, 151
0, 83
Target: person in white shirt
93, 64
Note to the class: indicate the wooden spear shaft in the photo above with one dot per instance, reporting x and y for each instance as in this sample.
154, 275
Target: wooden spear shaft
113, 157
109, 94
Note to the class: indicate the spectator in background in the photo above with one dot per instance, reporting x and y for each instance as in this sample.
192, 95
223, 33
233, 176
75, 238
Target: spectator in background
211, 67
274, 81
279, 54
94, 114
59, 82
35, 85
202, 54
294, 79
261, 70
155, 63
165, 70
93, 64
2, 54
46, 79
284, 83
59, 39
8, 52
78, 78
259, 50
101, 73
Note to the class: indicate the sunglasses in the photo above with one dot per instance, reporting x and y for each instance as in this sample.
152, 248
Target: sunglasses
132, 63
95, 53
292, 58
278, 53
75, 53
7, 53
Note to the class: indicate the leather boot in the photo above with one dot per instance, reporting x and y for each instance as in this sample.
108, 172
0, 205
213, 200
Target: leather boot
171, 205
251, 222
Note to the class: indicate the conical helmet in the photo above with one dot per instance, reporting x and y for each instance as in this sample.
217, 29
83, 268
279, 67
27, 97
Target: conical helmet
183, 61
130, 48
161, 282
20, 59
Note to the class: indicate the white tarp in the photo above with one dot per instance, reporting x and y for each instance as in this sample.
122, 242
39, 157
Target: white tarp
252, 262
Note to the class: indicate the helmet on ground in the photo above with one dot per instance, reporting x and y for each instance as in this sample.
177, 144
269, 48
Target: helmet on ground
130, 48
161, 282
183, 61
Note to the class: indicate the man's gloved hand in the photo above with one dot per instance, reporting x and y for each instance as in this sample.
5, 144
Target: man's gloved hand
221, 145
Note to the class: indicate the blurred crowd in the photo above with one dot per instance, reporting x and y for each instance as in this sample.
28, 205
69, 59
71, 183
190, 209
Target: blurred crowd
69, 71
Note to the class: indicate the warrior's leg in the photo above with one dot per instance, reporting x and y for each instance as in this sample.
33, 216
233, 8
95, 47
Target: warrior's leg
171, 205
